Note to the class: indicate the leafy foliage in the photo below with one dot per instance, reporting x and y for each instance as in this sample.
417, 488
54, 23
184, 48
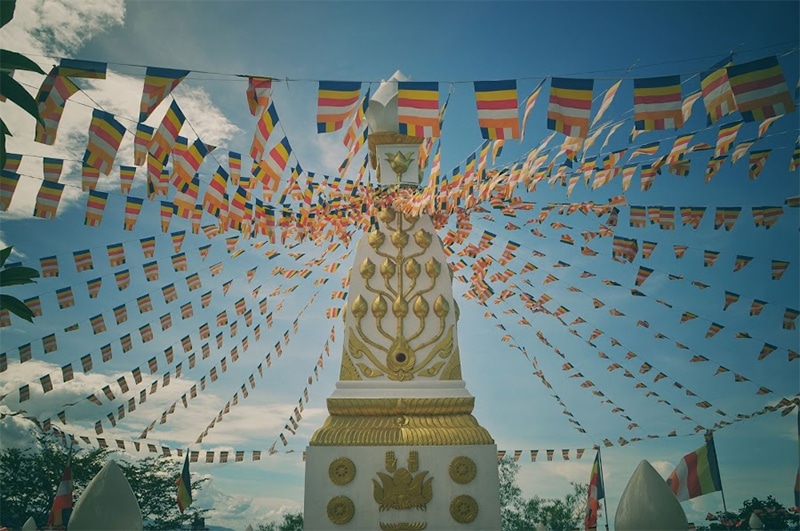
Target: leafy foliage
771, 513
9, 87
13, 276
518, 513
30, 477
291, 522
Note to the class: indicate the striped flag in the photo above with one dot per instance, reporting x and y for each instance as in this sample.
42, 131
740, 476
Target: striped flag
105, 136
51, 168
167, 133
47, 200
258, 91
264, 129
8, 185
141, 140
726, 136
133, 206
61, 509
84, 69
95, 206
697, 473
418, 108
717, 93
760, 89
497, 109
52, 97
274, 165
606, 103
595, 494
657, 103
89, 177
336, 102
158, 83
570, 106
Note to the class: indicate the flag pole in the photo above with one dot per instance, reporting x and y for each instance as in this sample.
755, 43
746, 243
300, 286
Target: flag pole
605, 505
710, 438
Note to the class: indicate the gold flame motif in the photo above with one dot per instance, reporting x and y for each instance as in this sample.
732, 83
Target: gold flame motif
403, 489
399, 162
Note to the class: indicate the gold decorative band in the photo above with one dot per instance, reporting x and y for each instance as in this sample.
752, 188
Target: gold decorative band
401, 406
400, 430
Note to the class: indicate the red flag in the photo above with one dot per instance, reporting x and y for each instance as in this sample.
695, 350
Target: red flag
61, 509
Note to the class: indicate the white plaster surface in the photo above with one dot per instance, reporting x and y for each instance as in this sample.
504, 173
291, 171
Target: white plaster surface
319, 489
108, 503
647, 503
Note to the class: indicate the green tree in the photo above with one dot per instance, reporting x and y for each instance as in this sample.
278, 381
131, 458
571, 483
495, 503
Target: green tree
520, 514
291, 522
14, 276
29, 479
771, 513
9, 87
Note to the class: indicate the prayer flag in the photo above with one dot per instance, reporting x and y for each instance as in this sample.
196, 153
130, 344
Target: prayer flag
697, 473
47, 200
263, 131
105, 136
760, 89
418, 108
336, 102
717, 94
258, 91
657, 103
95, 206
497, 109
184, 486
570, 106
61, 509
158, 83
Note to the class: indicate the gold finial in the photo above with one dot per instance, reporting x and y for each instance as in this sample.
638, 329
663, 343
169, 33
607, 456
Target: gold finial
399, 162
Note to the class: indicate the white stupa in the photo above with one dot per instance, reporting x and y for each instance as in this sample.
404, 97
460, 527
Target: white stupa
400, 449
647, 503
107, 504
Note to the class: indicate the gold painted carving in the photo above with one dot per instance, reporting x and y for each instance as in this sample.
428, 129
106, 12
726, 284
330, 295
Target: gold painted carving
378, 138
464, 509
341, 471
404, 489
463, 470
399, 162
403, 526
396, 293
341, 510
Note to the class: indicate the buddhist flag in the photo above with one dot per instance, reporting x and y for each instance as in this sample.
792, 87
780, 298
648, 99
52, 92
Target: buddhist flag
275, 164
8, 184
418, 108
595, 494
141, 141
95, 206
497, 109
730, 298
778, 268
61, 509
167, 133
264, 127
717, 93
336, 102
105, 136
760, 89
184, 483
47, 200
258, 91
697, 473
158, 83
51, 168
133, 206
642, 275
570, 106
53, 95
757, 160
530, 101
657, 103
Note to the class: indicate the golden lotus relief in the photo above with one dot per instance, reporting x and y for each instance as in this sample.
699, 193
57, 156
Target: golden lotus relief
403, 526
404, 488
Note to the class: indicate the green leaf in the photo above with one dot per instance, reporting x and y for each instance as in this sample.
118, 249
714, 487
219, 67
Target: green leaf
13, 276
16, 61
7, 11
4, 254
16, 306
14, 92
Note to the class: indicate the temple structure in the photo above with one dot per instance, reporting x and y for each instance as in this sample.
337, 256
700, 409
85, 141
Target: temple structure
400, 449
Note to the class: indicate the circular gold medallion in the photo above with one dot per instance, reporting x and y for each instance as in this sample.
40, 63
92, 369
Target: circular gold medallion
463, 509
341, 510
342, 471
463, 470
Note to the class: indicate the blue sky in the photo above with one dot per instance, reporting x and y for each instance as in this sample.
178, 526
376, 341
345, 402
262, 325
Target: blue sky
454, 43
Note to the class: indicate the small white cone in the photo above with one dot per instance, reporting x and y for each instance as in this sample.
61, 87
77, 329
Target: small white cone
755, 522
29, 525
647, 503
107, 504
